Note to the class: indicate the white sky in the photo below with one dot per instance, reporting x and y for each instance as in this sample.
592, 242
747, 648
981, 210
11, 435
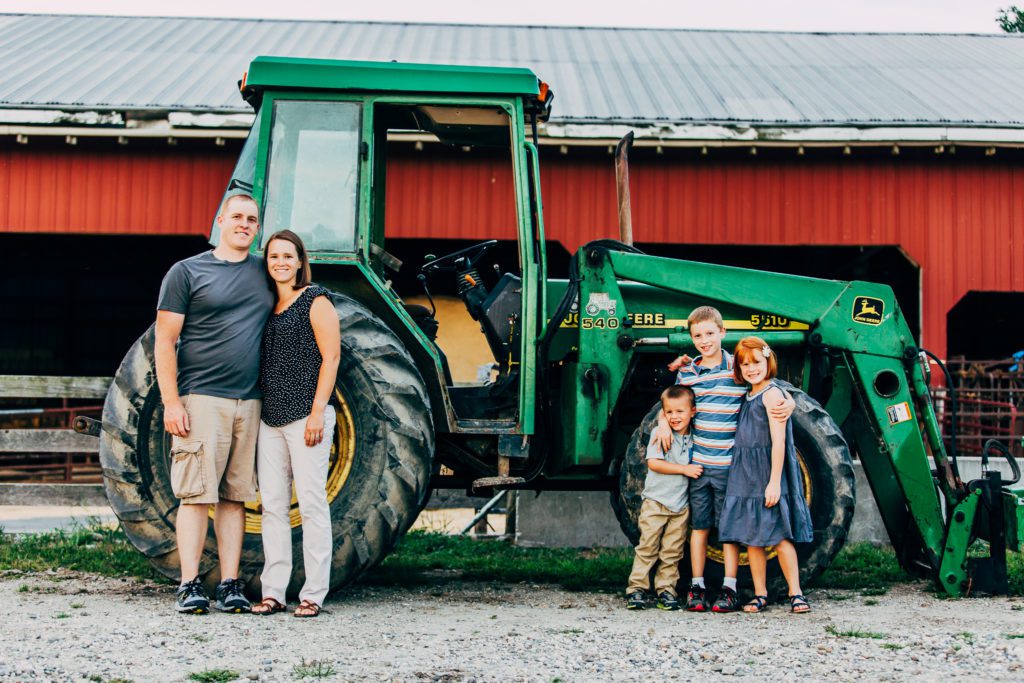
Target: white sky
946, 16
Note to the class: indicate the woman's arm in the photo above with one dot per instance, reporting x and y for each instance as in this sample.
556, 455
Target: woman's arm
777, 429
324, 320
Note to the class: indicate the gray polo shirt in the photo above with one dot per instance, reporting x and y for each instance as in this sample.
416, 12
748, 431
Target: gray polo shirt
671, 490
226, 305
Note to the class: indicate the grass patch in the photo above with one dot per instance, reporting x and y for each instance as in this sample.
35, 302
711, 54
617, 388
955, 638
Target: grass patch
965, 636
893, 646
94, 549
77, 605
419, 552
61, 615
863, 567
213, 676
1013, 636
854, 633
871, 602
314, 668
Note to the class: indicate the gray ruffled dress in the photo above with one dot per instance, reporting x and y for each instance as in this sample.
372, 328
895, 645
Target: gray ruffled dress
745, 519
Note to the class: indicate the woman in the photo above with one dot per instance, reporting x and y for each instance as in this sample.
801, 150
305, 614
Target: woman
298, 366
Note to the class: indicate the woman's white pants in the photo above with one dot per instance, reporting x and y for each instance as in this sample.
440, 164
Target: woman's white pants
281, 456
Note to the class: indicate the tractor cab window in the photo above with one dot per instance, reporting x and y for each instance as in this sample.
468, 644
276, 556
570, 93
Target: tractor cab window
312, 184
444, 171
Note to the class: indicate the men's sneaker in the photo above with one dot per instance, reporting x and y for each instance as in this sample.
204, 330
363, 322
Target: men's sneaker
191, 599
667, 601
696, 600
636, 600
230, 597
727, 601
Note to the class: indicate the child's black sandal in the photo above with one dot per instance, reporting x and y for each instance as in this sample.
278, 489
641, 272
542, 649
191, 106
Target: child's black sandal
758, 604
798, 604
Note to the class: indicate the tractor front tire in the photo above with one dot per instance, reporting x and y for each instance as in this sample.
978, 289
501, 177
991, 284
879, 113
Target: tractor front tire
827, 467
379, 470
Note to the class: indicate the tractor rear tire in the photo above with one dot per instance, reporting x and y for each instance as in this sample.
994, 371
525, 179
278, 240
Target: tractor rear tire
381, 460
826, 457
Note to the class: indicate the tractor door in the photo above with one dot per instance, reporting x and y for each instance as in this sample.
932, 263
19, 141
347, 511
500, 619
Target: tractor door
452, 179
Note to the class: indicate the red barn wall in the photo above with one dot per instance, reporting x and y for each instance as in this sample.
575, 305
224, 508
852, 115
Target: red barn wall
960, 219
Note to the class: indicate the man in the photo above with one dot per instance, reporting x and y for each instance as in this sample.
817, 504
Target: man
213, 306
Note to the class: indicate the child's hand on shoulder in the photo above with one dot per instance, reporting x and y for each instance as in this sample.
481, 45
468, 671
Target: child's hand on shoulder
772, 493
693, 470
680, 362
778, 404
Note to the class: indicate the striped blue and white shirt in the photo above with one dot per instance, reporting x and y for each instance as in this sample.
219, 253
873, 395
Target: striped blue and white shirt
719, 398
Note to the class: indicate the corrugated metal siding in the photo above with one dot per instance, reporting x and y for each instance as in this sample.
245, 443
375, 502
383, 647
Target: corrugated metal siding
962, 222
598, 74
110, 192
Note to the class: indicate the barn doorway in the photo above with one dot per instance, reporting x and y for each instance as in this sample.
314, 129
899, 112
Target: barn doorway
986, 326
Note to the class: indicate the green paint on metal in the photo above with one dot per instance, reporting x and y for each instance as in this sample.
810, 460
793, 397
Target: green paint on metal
339, 76
953, 568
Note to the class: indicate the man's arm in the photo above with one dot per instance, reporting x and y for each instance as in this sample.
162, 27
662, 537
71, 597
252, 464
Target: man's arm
168, 329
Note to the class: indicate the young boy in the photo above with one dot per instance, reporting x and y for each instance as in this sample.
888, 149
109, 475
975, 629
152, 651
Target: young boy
665, 515
718, 401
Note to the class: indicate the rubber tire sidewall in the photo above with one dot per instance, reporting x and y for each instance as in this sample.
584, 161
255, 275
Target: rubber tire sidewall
386, 486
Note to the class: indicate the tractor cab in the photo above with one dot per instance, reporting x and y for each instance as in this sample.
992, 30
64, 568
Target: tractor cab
332, 156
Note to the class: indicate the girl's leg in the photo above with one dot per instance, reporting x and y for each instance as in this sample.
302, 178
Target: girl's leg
309, 464
758, 569
273, 471
790, 566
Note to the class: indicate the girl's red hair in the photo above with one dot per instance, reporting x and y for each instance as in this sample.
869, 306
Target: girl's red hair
745, 351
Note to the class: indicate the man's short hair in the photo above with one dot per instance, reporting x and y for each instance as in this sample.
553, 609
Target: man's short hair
703, 314
679, 391
238, 195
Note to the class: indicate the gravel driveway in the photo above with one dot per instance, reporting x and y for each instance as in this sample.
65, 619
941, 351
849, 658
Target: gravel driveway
71, 627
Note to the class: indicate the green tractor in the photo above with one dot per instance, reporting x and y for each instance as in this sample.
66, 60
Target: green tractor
578, 363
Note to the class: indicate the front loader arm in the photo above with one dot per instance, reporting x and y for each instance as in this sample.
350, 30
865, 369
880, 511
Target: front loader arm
859, 322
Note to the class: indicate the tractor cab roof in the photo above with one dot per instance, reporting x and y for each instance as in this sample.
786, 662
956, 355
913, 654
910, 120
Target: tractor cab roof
273, 73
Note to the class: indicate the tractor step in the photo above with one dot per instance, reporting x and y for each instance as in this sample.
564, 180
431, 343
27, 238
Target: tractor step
497, 482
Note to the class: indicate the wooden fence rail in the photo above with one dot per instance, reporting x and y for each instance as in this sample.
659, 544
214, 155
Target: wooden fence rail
44, 453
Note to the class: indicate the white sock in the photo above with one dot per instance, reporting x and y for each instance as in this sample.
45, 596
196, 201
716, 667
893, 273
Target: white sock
697, 581
729, 583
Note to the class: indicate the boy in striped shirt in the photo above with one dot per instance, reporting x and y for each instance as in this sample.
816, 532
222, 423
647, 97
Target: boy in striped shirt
719, 398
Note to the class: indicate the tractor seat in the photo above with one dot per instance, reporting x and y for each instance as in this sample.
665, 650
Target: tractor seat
424, 319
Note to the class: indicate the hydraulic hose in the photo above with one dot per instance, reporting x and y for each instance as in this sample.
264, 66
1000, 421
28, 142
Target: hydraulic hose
951, 395
993, 445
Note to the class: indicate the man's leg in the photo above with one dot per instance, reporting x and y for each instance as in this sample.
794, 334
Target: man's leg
229, 524
190, 529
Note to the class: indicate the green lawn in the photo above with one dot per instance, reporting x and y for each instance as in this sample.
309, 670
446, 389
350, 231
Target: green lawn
424, 557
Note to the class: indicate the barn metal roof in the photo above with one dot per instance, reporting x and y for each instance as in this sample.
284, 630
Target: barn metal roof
599, 75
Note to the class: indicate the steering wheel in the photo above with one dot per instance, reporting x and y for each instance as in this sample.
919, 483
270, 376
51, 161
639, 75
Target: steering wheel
469, 256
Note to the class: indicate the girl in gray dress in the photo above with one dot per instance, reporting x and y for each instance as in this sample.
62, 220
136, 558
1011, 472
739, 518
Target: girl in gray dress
764, 499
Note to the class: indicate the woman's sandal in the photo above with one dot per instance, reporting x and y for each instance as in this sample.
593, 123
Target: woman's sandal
758, 604
267, 606
307, 609
798, 604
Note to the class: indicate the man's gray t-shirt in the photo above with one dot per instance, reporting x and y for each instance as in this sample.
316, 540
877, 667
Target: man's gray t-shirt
671, 490
226, 305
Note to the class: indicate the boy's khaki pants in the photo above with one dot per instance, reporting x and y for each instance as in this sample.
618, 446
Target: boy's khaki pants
662, 537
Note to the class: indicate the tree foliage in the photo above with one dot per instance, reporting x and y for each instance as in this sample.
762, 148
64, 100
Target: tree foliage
1011, 19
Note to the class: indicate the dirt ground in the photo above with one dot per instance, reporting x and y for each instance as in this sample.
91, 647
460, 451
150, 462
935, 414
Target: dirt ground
70, 627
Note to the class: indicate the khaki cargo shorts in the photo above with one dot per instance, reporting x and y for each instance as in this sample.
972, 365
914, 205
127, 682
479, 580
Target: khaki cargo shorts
217, 460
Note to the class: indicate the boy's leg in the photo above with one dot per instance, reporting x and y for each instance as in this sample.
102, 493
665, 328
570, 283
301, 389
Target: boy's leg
652, 522
731, 551
698, 551
672, 540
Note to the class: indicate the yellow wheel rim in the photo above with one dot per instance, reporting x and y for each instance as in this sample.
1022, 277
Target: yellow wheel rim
342, 453
715, 553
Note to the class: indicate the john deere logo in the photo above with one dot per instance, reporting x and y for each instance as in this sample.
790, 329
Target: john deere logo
868, 310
